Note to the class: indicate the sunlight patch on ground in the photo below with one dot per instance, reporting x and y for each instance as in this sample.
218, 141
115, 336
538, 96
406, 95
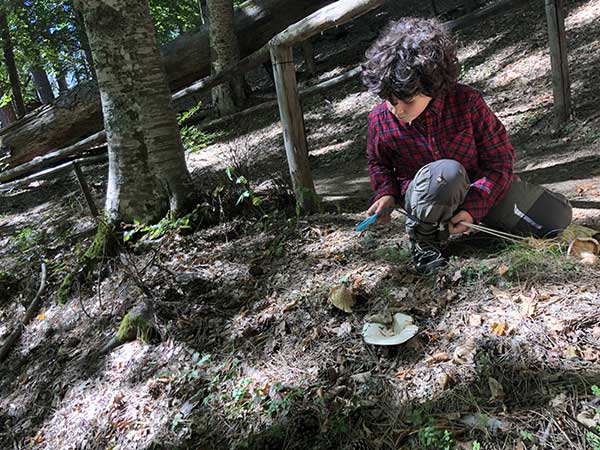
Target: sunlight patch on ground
331, 148
470, 51
220, 155
584, 15
111, 410
482, 72
534, 65
348, 106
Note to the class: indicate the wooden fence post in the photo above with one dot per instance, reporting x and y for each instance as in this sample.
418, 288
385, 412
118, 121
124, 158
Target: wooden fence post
292, 122
558, 55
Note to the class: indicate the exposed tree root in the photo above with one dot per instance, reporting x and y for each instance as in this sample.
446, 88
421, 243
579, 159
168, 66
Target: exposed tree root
33, 307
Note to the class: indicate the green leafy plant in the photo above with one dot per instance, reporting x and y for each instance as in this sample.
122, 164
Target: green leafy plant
527, 435
26, 238
396, 254
593, 437
430, 435
247, 192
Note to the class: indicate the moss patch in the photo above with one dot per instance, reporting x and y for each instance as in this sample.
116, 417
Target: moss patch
104, 245
135, 325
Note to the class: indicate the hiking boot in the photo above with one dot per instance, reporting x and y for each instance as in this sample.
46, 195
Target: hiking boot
428, 258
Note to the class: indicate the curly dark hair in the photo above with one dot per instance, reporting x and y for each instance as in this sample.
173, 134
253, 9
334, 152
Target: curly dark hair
412, 56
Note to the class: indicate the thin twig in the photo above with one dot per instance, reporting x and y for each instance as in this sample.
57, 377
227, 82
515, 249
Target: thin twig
35, 304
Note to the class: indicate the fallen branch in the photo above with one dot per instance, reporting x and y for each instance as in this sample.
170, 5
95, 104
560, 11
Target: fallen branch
50, 173
50, 158
349, 75
33, 307
329, 16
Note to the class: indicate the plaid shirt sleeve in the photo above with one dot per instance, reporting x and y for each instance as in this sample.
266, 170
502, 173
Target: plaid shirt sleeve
381, 169
496, 161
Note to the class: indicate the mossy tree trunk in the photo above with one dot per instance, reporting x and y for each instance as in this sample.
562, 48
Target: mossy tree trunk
148, 176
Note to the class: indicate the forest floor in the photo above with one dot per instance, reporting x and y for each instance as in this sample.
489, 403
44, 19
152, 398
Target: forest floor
247, 350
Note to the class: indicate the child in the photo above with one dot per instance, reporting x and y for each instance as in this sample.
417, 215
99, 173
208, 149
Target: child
435, 148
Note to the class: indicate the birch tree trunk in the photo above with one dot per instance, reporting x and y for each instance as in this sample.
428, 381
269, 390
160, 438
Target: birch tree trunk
11, 67
147, 172
227, 97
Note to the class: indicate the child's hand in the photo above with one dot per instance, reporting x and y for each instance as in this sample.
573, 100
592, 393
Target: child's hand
455, 226
383, 207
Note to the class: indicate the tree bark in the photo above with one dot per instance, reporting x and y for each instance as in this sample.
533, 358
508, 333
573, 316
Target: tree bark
85, 45
7, 114
147, 172
203, 11
61, 80
42, 85
227, 97
186, 59
11, 67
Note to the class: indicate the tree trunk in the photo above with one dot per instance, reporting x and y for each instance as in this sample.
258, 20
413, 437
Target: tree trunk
61, 80
203, 11
227, 97
42, 85
85, 45
186, 59
7, 114
147, 172
11, 67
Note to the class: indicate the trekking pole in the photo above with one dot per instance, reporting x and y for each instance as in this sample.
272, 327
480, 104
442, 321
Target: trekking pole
497, 233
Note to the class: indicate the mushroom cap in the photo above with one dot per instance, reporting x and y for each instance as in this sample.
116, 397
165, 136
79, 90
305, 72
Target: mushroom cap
400, 331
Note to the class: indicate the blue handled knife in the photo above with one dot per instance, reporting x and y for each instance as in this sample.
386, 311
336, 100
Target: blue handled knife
365, 223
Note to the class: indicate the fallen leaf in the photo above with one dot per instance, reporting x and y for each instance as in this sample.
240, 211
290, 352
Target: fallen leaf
39, 438
528, 307
496, 389
342, 297
464, 353
570, 352
457, 276
499, 328
343, 330
41, 316
361, 378
291, 305
590, 418
503, 270
437, 357
443, 380
404, 374
475, 320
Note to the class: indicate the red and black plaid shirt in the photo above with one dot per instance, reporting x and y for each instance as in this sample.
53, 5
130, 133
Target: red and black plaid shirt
458, 126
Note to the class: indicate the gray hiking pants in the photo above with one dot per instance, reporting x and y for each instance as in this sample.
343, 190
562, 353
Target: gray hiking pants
439, 188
